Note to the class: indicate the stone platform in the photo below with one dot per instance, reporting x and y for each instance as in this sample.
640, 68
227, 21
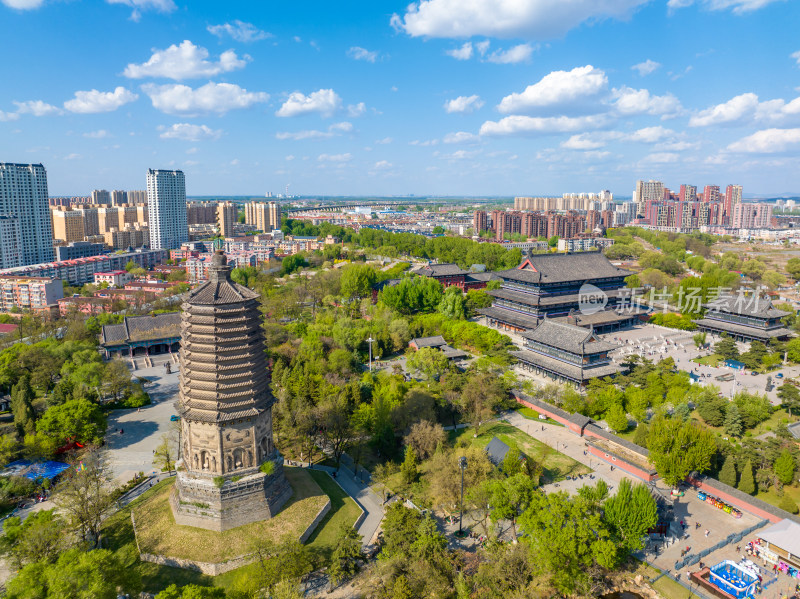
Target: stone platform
160, 539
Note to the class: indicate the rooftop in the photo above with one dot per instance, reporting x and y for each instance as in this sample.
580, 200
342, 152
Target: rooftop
784, 534
559, 268
142, 328
439, 270
753, 305
436, 341
571, 338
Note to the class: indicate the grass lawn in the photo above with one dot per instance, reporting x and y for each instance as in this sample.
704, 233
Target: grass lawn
158, 534
556, 465
534, 415
118, 532
343, 511
712, 360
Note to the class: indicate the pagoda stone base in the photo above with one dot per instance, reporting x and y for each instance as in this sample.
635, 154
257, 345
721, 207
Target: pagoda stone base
198, 501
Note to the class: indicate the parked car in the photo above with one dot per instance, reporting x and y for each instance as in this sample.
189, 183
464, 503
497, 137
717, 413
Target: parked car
174, 418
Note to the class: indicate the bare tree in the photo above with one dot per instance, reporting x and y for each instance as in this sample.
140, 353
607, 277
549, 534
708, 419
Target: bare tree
84, 495
166, 453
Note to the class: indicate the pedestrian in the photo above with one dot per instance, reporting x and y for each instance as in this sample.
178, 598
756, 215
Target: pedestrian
706, 532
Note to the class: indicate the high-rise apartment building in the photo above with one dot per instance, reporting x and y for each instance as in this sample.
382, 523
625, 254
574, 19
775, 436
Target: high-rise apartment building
107, 218
227, 214
9, 242
101, 196
201, 213
733, 197
647, 191
166, 207
137, 196
91, 223
711, 193
67, 225
119, 197
752, 216
688, 193
24, 200
266, 216
479, 221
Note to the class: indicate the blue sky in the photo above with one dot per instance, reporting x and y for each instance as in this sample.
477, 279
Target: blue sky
450, 97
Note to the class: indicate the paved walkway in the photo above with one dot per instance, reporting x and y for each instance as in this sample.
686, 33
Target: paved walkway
362, 494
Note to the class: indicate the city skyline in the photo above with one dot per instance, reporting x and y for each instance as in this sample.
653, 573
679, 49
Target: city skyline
494, 99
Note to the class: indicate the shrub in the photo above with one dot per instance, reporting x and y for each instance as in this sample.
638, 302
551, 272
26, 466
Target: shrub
219, 481
267, 467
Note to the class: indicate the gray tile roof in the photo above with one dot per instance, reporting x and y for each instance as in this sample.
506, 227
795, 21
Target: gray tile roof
741, 329
745, 305
420, 342
571, 338
142, 328
497, 450
439, 270
509, 316
532, 299
570, 371
222, 291
559, 268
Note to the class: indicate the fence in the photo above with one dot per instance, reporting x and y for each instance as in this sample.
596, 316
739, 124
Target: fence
693, 589
692, 559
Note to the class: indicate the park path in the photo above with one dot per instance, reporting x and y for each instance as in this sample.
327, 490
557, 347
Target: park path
360, 492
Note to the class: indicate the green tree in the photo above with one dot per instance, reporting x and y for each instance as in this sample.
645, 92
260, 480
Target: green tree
452, 304
747, 483
130, 265
784, 467
617, 419
788, 504
22, 406
408, 470
84, 496
789, 395
40, 538
569, 541
631, 512
733, 421
726, 348
428, 361
793, 267
191, 591
677, 448
413, 295
509, 497
165, 453
75, 420
728, 473
711, 408
346, 555
357, 281
699, 339
98, 574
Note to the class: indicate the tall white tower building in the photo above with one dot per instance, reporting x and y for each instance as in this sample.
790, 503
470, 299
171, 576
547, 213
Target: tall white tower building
166, 207
25, 210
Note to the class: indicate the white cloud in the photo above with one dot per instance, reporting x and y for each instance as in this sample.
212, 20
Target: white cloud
482, 47
460, 137
382, 164
96, 101
458, 155
359, 53
526, 125
463, 104
796, 56
333, 130
335, 157
737, 6
520, 53
99, 134
323, 101
639, 101
23, 4
185, 61
72, 156
680, 146
768, 141
650, 135
212, 97
36, 108
354, 110
557, 88
189, 132
507, 18
429, 142
744, 109
8, 116
240, 31
384, 141
462, 53
583, 141
646, 67
138, 6
661, 158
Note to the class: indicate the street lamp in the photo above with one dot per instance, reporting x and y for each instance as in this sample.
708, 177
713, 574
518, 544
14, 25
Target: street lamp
462, 463
370, 341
